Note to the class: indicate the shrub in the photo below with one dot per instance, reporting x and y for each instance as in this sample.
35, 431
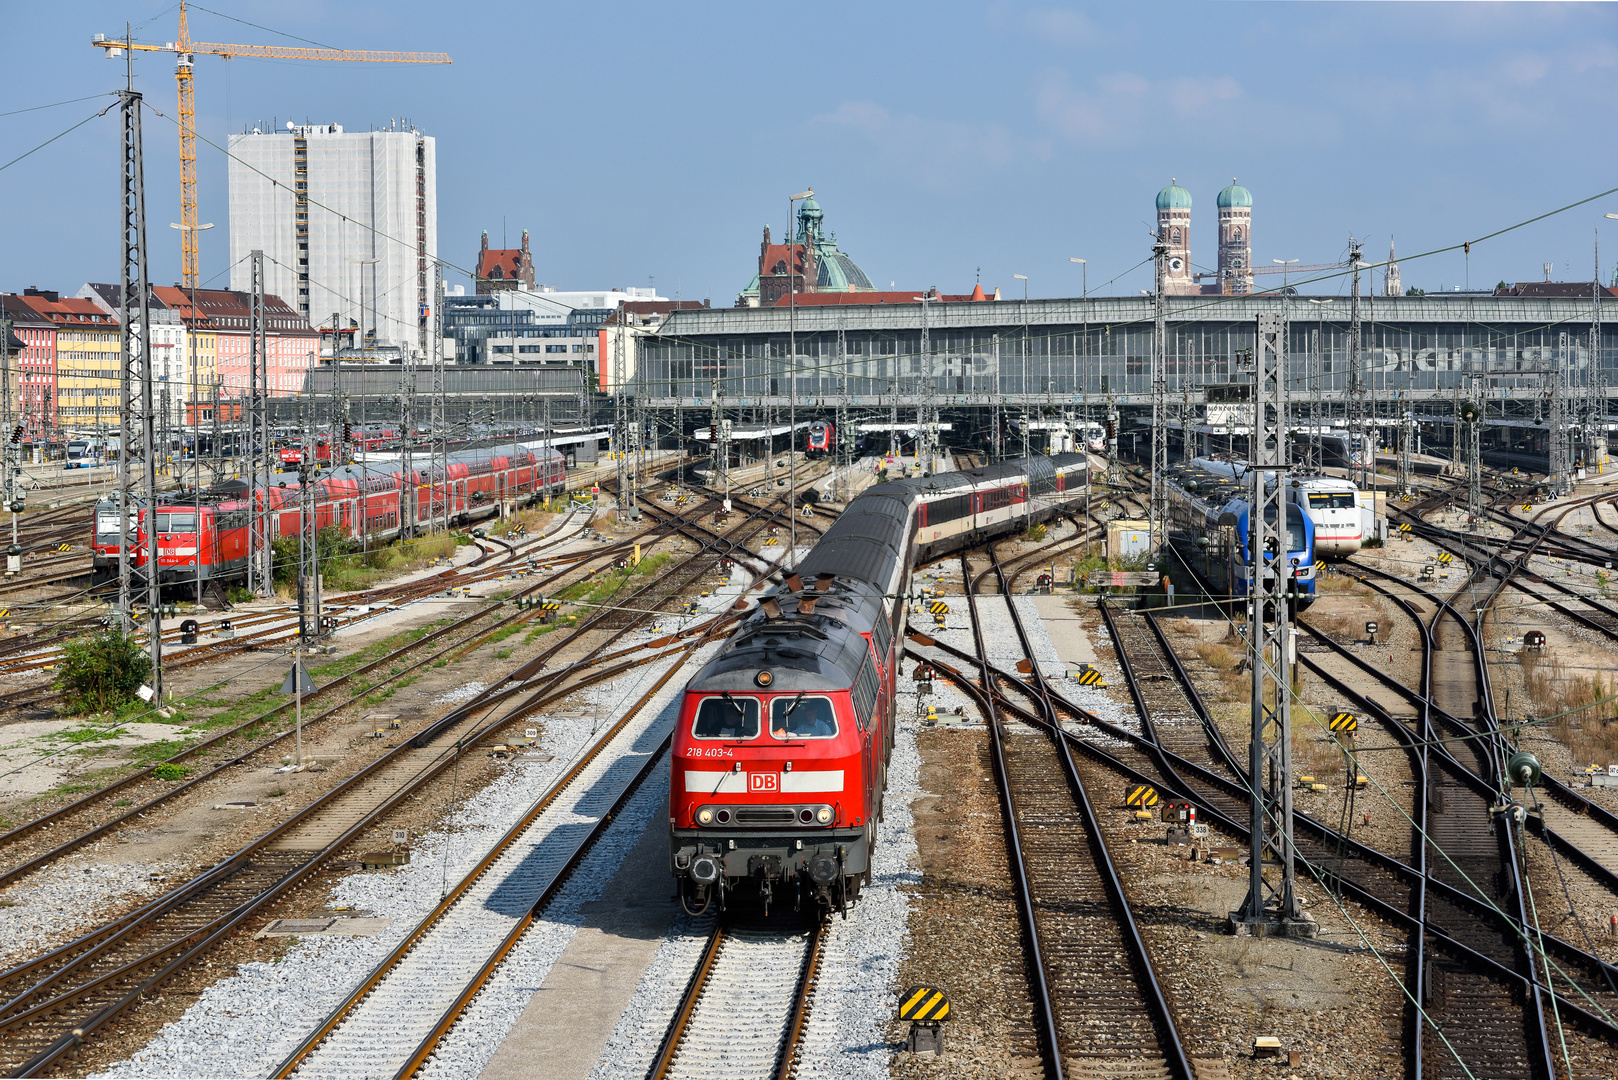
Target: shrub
169, 771
102, 672
1036, 532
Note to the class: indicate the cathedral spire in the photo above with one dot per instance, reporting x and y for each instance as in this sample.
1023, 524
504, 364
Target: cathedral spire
1390, 276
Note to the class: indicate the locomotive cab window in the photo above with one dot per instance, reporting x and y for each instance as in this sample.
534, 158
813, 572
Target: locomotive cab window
802, 718
728, 717
1332, 500
176, 523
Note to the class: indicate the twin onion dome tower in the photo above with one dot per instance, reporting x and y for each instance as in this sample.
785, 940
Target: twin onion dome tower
1235, 276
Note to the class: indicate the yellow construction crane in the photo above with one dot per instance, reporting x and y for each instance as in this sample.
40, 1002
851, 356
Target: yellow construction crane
185, 50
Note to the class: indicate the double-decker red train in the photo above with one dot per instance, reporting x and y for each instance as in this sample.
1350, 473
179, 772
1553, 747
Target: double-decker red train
207, 538
782, 744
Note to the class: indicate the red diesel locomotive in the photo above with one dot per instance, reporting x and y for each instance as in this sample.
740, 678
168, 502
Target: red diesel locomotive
360, 500
781, 748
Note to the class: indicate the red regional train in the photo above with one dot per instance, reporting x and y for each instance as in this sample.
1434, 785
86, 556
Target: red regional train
780, 752
358, 499
365, 441
822, 438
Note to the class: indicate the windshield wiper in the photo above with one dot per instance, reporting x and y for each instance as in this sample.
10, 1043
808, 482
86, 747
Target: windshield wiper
734, 703
795, 703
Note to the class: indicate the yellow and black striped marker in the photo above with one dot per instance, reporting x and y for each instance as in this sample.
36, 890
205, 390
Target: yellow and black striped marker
1404, 526
1445, 557
1345, 723
550, 605
1527, 508
1089, 676
64, 547
923, 1003
1142, 795
772, 542
938, 607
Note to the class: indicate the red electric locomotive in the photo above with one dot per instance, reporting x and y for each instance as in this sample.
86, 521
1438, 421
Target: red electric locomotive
780, 752
822, 438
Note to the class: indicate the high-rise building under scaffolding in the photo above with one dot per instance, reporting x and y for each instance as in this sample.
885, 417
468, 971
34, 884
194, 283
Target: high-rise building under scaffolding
347, 221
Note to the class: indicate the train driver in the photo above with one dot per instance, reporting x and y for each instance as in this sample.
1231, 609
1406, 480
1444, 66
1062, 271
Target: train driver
802, 718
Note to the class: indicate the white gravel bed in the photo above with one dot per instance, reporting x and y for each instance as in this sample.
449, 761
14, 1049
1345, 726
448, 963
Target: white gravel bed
738, 1025
246, 1024
56, 904
858, 992
467, 1047
460, 694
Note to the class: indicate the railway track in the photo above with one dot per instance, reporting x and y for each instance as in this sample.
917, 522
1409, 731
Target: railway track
745, 1008
395, 1018
79, 987
1097, 1001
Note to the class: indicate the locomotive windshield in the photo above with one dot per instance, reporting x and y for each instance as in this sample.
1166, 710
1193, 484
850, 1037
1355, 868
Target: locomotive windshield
727, 717
1295, 538
802, 718
176, 523
1331, 500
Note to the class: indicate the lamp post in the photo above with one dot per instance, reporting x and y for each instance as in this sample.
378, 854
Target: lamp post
1023, 351
196, 417
362, 263
1283, 264
1086, 268
792, 372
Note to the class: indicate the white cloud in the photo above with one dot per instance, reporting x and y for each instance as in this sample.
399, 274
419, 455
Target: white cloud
1124, 106
940, 146
1063, 27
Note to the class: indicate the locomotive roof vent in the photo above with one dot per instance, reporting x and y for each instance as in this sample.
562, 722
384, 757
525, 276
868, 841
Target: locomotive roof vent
772, 607
806, 604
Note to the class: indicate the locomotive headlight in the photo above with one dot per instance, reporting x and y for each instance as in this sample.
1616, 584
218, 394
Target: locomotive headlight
824, 816
704, 816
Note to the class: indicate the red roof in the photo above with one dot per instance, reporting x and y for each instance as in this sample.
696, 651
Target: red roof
71, 310
500, 264
776, 256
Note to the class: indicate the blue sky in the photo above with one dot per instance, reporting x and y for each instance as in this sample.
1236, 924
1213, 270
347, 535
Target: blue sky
641, 141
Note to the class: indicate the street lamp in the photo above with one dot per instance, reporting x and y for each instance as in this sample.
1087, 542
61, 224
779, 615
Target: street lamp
1086, 268
1283, 264
792, 369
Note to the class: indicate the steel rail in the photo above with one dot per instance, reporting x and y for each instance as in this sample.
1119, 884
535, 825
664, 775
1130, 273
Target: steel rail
432, 918
1044, 1010
1156, 1002
1169, 782
207, 936
33, 825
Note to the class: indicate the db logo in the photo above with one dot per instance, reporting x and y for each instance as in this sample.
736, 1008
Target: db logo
763, 781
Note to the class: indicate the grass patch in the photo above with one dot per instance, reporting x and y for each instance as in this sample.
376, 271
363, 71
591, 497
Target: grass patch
362, 569
538, 631
1567, 697
1216, 656
505, 654
169, 771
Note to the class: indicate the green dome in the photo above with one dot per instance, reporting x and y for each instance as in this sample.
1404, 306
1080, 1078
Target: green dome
1235, 195
1174, 197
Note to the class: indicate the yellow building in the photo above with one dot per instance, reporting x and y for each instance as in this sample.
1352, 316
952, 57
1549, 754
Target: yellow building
87, 362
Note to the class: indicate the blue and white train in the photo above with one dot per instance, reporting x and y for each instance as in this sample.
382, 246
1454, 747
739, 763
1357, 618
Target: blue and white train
1208, 529
1329, 502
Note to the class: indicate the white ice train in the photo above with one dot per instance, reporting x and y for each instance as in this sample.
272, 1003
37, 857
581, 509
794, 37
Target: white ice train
1333, 504
1330, 502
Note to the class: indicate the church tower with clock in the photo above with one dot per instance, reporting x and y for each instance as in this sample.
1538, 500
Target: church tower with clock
1235, 240
1174, 226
